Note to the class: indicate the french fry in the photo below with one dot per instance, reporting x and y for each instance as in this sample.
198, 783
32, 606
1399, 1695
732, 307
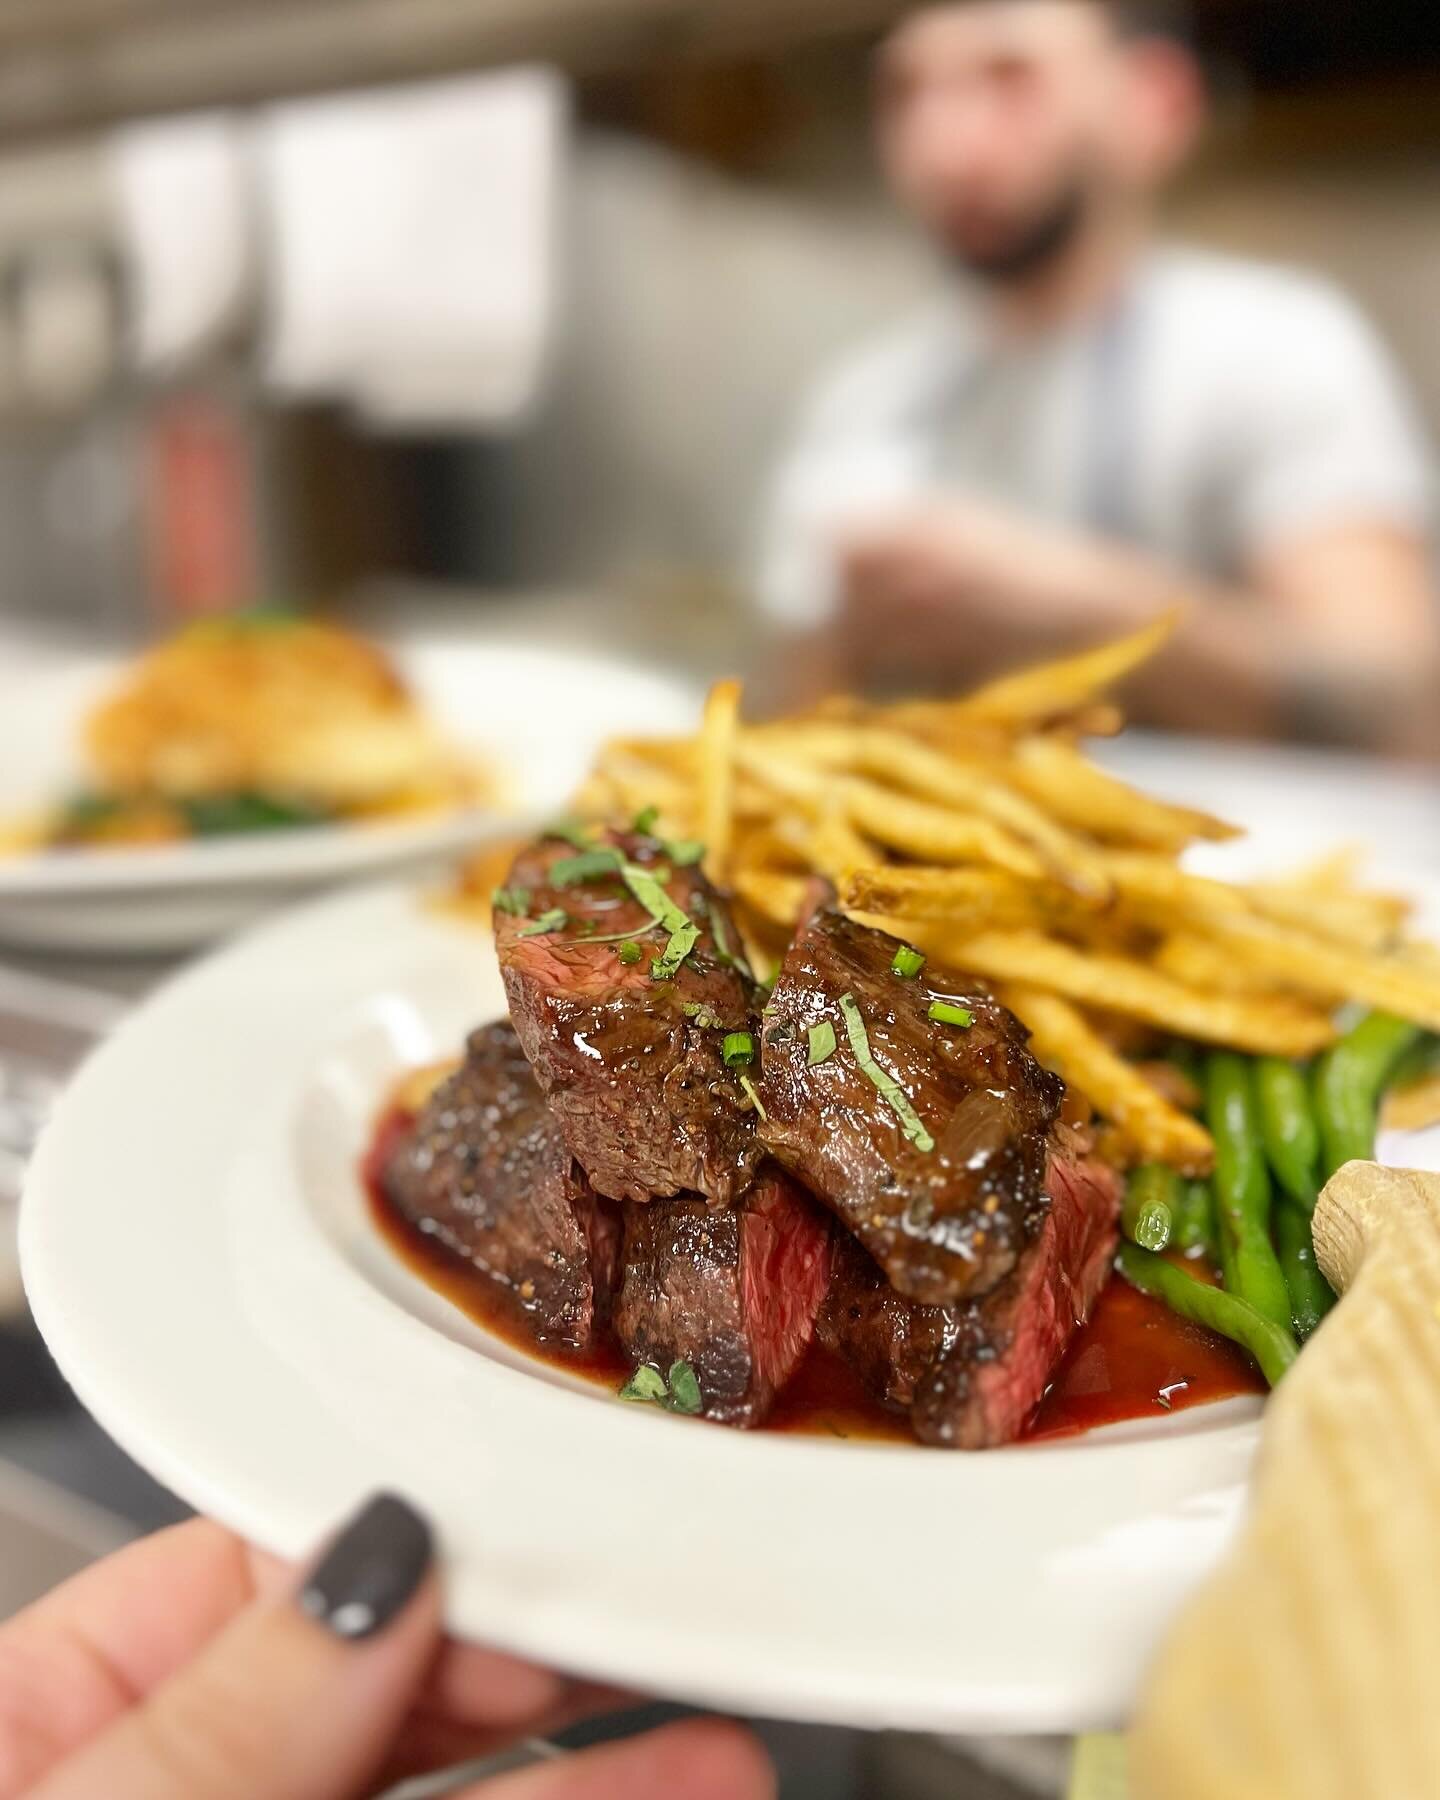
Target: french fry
1164, 893
1038, 693
780, 898
892, 757
718, 733
779, 846
1409, 988
975, 898
933, 833
1058, 777
1144, 1118
1266, 1026
625, 782
834, 845
1335, 872
1365, 920
1414, 1107
1200, 962
915, 827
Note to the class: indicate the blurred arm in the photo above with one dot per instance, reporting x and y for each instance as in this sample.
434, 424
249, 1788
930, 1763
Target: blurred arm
1336, 639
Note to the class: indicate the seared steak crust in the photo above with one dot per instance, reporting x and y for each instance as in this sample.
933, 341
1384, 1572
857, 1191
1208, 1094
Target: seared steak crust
486, 1174
631, 1065
733, 1293
970, 1374
944, 1222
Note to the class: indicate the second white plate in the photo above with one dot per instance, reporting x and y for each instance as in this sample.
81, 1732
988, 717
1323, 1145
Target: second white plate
536, 716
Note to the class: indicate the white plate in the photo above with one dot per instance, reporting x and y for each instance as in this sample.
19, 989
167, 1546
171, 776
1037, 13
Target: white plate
197, 1251
537, 716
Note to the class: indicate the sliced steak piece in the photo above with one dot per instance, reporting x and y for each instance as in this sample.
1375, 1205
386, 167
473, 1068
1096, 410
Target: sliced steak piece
733, 1293
971, 1374
947, 1216
486, 1174
632, 1065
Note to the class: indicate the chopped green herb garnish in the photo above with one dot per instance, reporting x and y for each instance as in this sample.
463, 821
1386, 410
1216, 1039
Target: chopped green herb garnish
589, 865
684, 933
645, 1384
899, 1101
678, 1392
749, 1087
705, 1020
226, 815
645, 820
555, 920
738, 1049
684, 1388
629, 953
822, 1042
908, 962
512, 900
945, 1012
685, 852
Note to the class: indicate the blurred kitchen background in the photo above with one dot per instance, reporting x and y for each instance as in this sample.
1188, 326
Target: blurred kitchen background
192, 416
494, 315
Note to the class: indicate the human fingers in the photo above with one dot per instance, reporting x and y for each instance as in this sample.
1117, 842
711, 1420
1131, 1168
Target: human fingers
298, 1697
73, 1662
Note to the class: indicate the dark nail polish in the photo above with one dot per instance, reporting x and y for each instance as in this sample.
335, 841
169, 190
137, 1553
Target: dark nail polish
371, 1570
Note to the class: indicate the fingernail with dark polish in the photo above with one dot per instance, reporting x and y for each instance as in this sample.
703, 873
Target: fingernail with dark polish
371, 1570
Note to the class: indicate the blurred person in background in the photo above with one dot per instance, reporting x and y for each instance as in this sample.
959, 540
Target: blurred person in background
1089, 428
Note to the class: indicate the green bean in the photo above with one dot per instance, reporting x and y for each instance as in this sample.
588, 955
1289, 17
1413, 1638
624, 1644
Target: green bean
1288, 1128
1311, 1295
1420, 1060
1349, 1080
1242, 1187
1147, 1214
1270, 1344
1195, 1231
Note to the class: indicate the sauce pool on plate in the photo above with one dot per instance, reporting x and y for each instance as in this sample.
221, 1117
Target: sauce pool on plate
1134, 1359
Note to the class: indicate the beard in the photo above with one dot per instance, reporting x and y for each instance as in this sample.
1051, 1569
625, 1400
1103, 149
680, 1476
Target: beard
1029, 247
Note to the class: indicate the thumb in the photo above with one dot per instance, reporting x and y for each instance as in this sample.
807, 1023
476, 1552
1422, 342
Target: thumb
299, 1698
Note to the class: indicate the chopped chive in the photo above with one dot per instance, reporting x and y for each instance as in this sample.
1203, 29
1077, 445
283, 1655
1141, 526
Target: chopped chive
738, 1048
684, 1389
911, 1124
512, 900
749, 1087
554, 920
945, 1012
908, 962
589, 865
645, 820
822, 1042
645, 1384
629, 952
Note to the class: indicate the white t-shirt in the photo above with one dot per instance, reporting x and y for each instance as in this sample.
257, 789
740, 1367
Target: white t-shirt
1220, 405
